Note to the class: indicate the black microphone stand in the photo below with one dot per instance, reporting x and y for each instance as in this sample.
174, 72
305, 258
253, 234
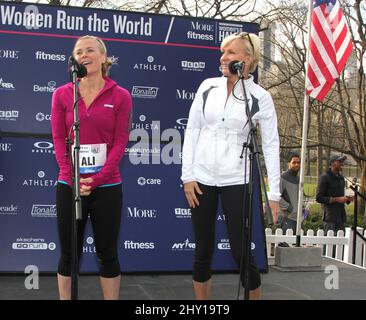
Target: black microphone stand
247, 212
75, 165
354, 187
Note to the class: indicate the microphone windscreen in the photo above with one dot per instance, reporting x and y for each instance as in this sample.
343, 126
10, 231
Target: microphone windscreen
82, 72
233, 66
80, 69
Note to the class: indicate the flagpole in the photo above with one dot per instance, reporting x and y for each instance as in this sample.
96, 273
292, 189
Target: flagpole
305, 125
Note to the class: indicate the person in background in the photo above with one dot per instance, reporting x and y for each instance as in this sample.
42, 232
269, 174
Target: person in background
105, 115
330, 193
289, 188
211, 163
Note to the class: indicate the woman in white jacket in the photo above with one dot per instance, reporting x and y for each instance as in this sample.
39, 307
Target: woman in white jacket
212, 167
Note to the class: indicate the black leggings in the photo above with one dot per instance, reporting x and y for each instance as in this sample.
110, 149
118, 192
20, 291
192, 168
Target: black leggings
104, 206
204, 221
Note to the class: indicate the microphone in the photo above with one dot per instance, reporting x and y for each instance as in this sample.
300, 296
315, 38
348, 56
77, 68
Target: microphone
235, 65
80, 69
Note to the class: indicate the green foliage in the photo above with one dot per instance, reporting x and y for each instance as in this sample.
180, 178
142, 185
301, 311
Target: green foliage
361, 220
315, 219
310, 190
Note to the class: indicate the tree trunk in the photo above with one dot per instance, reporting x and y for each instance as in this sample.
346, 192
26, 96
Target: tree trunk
361, 202
327, 158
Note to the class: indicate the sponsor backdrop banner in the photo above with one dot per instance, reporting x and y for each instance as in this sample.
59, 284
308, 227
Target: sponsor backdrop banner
161, 60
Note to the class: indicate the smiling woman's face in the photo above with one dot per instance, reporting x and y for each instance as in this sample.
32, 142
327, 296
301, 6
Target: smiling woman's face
87, 51
234, 50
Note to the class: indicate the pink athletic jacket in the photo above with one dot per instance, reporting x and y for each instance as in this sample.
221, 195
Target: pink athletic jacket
107, 120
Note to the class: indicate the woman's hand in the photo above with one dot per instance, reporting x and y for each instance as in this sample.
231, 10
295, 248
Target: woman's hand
190, 189
85, 189
275, 208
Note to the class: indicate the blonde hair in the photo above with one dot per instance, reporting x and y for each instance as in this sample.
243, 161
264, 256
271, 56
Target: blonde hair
106, 66
251, 43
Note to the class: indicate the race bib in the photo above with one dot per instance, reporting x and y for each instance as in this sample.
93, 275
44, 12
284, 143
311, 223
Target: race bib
92, 157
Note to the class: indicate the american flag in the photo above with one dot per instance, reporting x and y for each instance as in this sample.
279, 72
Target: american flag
330, 46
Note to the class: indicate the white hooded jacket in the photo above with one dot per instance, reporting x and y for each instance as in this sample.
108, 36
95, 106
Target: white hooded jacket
216, 130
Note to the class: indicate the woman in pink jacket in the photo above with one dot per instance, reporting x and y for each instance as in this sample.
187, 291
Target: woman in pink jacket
105, 114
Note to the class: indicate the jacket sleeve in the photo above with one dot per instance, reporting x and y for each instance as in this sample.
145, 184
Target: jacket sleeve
191, 136
270, 145
121, 135
284, 204
321, 190
59, 134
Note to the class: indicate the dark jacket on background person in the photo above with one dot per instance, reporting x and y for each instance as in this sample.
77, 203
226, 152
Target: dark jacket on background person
331, 185
289, 188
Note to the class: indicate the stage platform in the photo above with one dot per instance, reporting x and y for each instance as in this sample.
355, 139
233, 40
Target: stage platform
335, 281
